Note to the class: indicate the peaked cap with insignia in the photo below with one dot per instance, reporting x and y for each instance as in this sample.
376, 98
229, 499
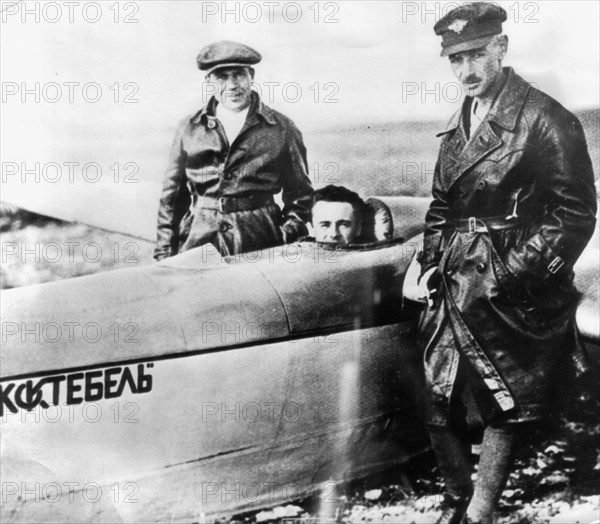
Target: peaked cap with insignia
469, 26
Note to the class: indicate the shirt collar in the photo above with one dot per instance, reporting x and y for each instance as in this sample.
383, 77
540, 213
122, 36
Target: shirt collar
257, 108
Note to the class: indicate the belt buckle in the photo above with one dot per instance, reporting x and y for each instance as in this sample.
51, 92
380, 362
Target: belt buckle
221, 204
472, 225
556, 265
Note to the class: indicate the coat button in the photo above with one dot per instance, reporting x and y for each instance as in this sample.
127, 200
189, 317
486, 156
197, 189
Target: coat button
481, 267
211, 124
225, 227
481, 185
227, 176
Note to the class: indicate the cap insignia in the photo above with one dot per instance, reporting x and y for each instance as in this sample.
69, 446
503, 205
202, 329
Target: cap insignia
457, 26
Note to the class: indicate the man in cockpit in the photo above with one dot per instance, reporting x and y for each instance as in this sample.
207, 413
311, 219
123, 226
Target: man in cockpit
336, 215
341, 216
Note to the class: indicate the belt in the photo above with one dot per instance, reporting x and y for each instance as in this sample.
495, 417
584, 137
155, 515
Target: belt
484, 224
232, 204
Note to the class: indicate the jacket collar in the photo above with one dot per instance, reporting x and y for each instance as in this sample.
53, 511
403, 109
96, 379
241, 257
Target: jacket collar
506, 108
257, 109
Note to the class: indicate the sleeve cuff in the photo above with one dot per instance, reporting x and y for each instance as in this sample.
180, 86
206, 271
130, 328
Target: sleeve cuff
161, 255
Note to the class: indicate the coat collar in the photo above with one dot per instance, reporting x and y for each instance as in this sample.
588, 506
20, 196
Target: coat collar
504, 112
257, 109
506, 108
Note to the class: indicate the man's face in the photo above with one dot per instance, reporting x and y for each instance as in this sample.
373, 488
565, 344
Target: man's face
235, 86
335, 222
478, 69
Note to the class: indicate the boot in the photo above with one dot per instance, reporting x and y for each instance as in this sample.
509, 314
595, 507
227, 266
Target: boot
453, 509
497, 451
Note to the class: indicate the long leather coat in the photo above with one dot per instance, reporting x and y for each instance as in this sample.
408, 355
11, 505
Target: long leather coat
506, 299
268, 156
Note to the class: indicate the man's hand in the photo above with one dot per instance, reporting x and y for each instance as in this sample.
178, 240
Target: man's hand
428, 286
292, 230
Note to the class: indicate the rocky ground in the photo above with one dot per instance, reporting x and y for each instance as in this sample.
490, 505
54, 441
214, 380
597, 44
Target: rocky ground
556, 480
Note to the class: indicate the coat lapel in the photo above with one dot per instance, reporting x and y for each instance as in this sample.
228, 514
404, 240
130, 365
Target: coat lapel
482, 143
504, 112
257, 113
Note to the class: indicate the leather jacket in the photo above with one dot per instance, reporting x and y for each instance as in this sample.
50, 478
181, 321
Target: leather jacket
268, 156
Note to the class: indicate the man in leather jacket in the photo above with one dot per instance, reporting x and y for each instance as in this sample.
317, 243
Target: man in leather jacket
226, 163
513, 207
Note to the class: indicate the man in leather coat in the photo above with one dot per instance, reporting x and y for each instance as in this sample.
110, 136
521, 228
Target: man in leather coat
226, 163
513, 207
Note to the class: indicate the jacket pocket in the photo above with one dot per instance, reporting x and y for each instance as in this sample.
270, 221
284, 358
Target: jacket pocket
504, 278
543, 304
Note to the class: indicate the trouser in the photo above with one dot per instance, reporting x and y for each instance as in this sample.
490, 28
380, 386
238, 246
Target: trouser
234, 232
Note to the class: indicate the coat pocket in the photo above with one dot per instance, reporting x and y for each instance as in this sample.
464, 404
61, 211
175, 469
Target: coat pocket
543, 305
504, 277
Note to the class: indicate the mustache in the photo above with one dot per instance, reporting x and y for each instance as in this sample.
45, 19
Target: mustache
471, 80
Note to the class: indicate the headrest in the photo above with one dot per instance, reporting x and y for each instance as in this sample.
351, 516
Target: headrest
378, 223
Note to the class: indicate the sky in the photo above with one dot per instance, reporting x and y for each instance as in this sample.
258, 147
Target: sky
82, 78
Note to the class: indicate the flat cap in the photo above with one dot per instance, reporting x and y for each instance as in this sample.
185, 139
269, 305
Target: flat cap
226, 54
469, 26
